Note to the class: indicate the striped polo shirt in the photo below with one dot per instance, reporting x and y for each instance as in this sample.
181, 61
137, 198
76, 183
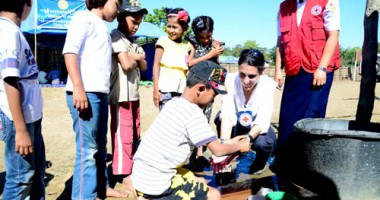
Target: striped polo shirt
167, 145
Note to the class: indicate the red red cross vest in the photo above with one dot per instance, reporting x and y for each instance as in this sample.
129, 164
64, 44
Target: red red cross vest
304, 44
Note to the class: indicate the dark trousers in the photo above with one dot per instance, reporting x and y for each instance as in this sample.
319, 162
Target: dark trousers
300, 100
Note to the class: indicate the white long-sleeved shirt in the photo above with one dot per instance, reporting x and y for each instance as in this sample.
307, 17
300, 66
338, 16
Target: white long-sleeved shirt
260, 102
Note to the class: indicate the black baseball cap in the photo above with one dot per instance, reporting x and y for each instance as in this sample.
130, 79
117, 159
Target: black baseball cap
132, 6
212, 72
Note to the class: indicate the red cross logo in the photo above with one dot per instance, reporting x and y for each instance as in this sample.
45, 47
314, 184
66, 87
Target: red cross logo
316, 10
245, 118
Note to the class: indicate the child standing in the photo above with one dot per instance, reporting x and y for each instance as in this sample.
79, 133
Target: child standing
21, 107
171, 58
87, 52
177, 130
127, 61
205, 48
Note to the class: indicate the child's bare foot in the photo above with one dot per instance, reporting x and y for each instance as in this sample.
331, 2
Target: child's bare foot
200, 151
127, 183
116, 193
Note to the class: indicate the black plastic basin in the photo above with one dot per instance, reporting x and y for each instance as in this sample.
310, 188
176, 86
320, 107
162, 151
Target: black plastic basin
327, 158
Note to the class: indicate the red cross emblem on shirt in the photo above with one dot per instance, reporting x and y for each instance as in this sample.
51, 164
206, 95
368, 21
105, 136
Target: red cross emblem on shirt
245, 119
316, 10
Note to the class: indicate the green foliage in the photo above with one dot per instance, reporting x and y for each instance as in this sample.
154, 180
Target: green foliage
271, 56
228, 51
251, 44
158, 18
347, 56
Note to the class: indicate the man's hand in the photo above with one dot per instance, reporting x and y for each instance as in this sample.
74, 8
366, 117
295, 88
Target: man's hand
319, 77
23, 143
80, 101
237, 139
244, 144
279, 79
156, 98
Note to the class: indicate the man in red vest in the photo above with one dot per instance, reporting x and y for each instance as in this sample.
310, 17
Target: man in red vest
308, 49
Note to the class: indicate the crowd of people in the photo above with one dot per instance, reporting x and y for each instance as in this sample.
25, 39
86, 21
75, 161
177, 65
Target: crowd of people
103, 75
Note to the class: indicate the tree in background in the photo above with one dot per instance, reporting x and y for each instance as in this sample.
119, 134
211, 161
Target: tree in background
269, 54
271, 58
158, 18
235, 51
347, 56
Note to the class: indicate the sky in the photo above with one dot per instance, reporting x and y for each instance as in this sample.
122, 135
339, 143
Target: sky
237, 21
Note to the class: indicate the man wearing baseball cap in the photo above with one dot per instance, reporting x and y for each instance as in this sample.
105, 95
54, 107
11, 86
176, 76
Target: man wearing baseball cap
178, 129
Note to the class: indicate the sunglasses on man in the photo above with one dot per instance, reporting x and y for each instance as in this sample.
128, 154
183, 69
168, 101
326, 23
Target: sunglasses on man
252, 52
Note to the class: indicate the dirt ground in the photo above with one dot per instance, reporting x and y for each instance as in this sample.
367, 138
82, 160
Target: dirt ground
59, 137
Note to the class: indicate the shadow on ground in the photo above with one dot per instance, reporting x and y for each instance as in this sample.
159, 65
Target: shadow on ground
47, 179
66, 193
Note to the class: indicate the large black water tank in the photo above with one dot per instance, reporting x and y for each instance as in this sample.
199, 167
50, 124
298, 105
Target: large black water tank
331, 160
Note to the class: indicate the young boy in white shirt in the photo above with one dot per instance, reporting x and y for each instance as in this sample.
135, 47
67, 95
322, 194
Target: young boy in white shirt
20, 107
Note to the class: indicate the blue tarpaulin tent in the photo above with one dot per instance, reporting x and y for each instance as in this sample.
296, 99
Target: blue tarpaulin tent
47, 22
51, 16
46, 27
228, 60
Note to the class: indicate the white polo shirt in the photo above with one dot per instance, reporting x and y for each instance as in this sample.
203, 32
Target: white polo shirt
89, 38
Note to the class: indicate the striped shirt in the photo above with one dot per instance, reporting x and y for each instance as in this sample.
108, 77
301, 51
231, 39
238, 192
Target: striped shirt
167, 145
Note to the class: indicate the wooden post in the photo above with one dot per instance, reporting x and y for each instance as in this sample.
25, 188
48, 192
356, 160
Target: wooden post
358, 61
369, 57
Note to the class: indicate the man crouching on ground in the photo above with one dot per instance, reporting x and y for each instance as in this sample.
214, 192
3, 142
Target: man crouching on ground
179, 128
